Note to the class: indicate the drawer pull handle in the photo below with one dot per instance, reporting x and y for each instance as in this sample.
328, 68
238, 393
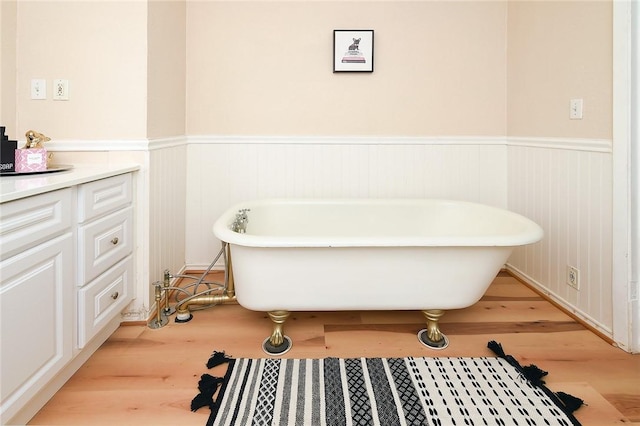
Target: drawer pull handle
114, 241
115, 295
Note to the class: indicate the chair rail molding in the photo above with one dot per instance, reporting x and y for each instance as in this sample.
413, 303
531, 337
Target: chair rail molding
96, 145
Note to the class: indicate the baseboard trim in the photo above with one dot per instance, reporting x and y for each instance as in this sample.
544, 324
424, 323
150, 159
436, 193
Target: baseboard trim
558, 303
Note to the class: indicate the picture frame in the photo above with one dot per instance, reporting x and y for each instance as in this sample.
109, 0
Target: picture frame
352, 51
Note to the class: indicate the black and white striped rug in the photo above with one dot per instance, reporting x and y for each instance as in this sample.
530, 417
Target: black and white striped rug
383, 391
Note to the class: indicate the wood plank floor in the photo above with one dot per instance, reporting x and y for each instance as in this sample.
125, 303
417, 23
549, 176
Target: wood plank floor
143, 376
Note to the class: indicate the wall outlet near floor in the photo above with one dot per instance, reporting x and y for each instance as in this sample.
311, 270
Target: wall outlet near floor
573, 277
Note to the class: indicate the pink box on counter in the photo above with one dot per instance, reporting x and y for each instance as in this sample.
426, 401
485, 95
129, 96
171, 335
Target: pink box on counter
31, 160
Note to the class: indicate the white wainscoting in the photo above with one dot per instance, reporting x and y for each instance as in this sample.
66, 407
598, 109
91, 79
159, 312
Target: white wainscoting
224, 171
167, 203
562, 184
567, 191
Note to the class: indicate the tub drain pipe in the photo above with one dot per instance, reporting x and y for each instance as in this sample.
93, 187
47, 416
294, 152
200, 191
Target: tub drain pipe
228, 295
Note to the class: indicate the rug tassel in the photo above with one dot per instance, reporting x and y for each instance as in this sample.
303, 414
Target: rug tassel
531, 372
217, 358
534, 374
570, 402
199, 401
496, 348
207, 387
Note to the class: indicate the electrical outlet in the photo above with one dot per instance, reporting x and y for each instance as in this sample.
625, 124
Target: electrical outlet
60, 90
573, 277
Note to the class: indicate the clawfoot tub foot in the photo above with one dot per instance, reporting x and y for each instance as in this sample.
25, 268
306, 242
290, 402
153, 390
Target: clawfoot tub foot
431, 336
277, 343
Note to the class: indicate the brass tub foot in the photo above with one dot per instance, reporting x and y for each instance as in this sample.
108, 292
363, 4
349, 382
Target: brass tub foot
277, 343
431, 337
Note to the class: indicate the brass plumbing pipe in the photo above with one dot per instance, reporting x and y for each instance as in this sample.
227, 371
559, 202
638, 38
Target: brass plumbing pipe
167, 309
228, 296
161, 319
158, 297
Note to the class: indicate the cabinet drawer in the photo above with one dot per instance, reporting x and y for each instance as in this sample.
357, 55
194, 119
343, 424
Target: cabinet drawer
32, 220
104, 242
103, 196
103, 299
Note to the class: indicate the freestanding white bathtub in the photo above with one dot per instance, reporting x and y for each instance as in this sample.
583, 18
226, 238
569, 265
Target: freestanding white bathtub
367, 254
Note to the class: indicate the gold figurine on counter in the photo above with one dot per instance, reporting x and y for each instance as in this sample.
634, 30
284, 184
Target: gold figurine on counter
35, 139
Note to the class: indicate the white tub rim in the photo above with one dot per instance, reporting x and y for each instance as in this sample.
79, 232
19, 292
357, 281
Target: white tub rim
531, 233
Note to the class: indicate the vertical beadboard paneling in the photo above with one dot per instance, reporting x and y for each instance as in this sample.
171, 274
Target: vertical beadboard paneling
167, 201
587, 215
562, 212
567, 192
222, 174
355, 171
603, 258
493, 155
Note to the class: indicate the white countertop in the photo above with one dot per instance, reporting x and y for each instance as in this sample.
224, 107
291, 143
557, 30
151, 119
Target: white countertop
14, 187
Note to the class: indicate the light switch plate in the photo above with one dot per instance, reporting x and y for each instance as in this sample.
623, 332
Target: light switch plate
38, 88
575, 109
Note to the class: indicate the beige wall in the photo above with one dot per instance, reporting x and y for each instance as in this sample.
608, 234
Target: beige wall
8, 66
265, 68
125, 62
557, 51
101, 48
166, 69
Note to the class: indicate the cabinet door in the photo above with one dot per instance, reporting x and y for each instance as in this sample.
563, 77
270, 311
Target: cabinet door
36, 319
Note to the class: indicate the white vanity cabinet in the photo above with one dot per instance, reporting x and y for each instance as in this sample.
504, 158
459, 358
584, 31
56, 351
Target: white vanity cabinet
36, 295
105, 246
66, 273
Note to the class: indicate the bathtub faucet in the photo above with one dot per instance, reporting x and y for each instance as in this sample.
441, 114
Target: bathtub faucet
240, 224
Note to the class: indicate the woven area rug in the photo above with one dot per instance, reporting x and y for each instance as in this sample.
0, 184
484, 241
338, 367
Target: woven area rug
384, 391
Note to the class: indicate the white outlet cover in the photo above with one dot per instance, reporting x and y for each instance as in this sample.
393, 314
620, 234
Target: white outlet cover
573, 277
60, 90
38, 88
575, 109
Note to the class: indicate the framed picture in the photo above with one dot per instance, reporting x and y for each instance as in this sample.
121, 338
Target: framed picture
352, 50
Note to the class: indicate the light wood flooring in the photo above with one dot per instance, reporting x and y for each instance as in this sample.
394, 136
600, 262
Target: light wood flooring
142, 376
